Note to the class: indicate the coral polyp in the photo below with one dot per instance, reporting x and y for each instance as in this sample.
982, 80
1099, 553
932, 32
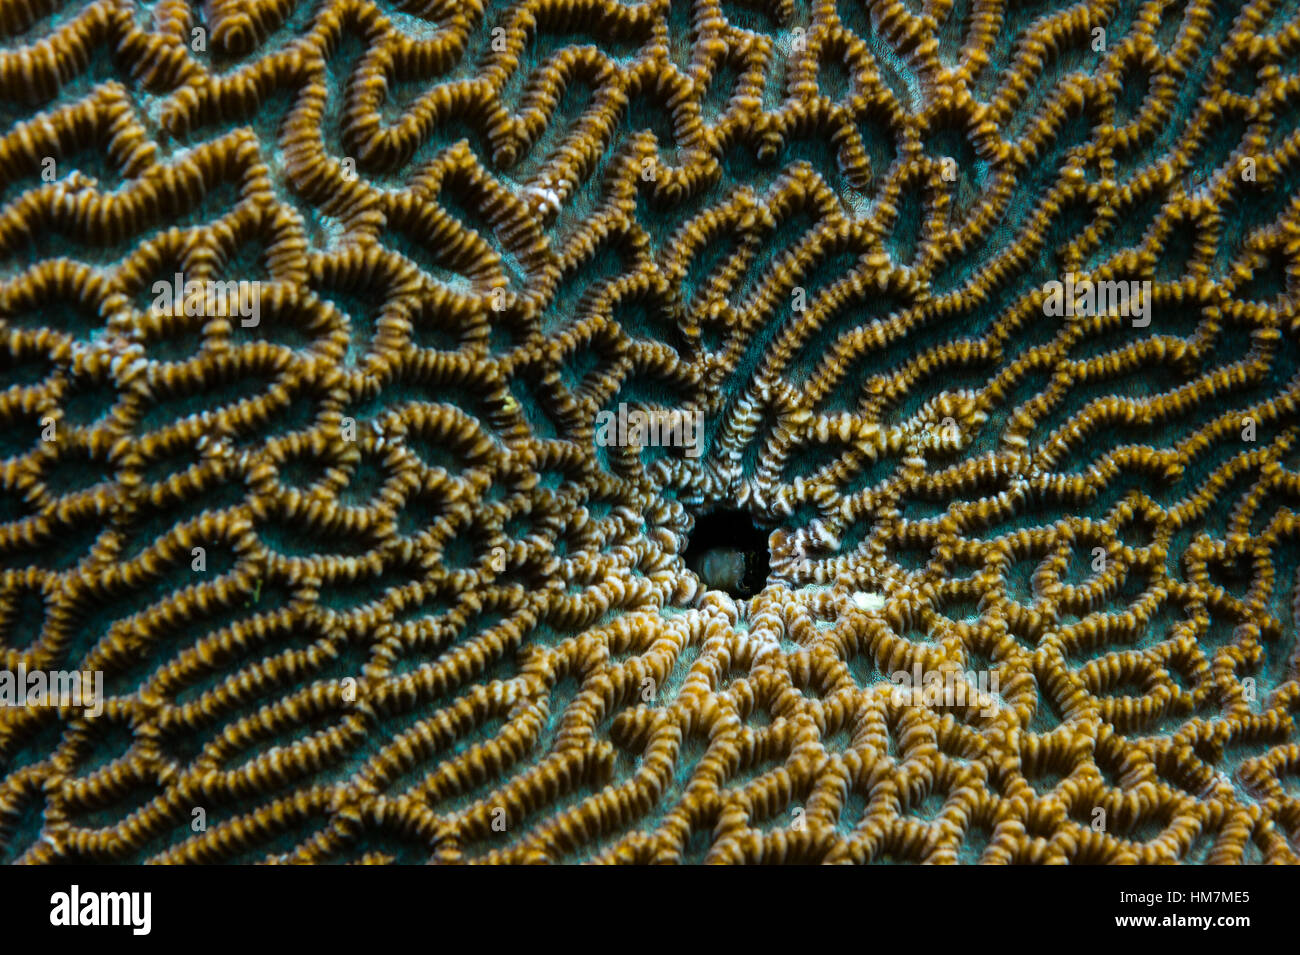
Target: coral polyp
988, 313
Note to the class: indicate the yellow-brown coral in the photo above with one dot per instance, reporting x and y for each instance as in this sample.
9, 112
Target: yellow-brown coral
364, 587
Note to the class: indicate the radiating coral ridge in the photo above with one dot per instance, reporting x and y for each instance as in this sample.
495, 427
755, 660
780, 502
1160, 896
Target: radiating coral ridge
988, 313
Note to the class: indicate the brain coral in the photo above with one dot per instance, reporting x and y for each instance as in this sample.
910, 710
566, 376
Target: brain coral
363, 586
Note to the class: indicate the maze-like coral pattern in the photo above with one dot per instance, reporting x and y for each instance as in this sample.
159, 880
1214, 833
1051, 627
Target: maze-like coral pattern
437, 622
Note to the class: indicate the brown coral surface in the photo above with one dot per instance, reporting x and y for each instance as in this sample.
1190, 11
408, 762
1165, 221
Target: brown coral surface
364, 587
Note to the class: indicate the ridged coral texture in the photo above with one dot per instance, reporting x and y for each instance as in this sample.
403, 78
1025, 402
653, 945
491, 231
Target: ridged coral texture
363, 585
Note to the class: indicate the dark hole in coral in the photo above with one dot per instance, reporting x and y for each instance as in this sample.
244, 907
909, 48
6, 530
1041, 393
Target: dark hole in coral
728, 551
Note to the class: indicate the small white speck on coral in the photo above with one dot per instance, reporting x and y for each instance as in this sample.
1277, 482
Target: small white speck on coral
868, 601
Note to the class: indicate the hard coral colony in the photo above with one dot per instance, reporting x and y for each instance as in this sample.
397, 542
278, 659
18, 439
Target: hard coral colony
360, 582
